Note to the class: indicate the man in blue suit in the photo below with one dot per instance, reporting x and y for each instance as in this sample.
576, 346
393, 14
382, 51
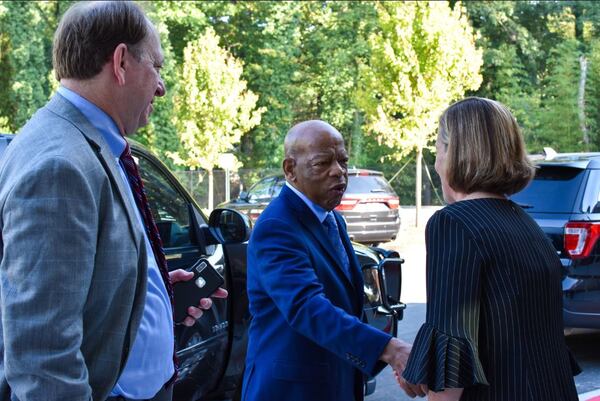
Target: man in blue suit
307, 340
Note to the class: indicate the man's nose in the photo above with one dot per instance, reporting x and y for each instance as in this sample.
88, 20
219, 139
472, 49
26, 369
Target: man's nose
160, 89
338, 169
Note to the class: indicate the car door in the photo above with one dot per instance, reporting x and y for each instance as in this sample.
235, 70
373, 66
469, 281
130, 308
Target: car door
201, 348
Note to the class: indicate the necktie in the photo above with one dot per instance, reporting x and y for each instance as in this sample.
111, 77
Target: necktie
334, 237
137, 187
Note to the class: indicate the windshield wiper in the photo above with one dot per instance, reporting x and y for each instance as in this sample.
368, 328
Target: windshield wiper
525, 205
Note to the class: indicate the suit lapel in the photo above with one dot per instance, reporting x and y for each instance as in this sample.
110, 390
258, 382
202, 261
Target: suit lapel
65, 109
307, 218
355, 268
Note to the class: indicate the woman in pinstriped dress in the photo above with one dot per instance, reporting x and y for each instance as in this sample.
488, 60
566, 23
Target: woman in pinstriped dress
494, 327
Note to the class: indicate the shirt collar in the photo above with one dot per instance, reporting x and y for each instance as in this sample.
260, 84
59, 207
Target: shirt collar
319, 212
99, 120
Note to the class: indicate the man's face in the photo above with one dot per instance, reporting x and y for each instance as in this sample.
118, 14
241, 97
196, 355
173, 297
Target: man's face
146, 83
321, 168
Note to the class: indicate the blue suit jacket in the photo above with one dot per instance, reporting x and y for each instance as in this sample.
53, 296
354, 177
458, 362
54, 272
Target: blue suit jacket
307, 341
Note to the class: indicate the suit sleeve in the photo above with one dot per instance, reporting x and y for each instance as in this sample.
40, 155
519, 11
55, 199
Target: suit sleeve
445, 352
285, 272
49, 233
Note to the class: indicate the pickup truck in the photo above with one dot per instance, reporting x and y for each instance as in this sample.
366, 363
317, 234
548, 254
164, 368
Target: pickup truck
211, 354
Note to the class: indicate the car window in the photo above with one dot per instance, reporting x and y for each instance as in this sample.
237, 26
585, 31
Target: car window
364, 184
169, 207
278, 185
261, 190
591, 197
553, 190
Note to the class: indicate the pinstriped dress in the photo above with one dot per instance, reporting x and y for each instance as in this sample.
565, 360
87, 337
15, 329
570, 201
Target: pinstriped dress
494, 321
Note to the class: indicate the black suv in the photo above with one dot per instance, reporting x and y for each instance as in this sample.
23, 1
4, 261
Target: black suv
564, 199
369, 206
212, 353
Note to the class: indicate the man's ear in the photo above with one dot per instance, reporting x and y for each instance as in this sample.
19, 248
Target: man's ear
288, 169
119, 62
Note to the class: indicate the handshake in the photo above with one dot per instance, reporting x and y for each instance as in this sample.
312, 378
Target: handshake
396, 355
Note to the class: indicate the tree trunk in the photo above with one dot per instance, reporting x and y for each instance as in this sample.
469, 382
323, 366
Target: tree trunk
418, 184
211, 190
354, 148
427, 192
583, 63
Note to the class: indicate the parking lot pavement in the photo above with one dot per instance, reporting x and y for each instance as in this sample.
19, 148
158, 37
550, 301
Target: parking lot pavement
587, 353
387, 389
411, 246
410, 243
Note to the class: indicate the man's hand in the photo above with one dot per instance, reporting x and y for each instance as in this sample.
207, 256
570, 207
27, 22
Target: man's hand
204, 304
396, 354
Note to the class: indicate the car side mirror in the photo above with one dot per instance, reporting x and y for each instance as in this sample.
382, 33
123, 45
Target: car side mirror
391, 273
243, 196
383, 284
229, 226
374, 291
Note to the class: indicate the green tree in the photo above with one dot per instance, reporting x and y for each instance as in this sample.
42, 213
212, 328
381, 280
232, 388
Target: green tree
559, 112
526, 68
178, 22
593, 104
266, 36
303, 58
213, 106
424, 57
512, 54
335, 43
26, 31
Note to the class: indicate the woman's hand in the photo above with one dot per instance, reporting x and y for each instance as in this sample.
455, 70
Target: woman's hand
412, 390
449, 394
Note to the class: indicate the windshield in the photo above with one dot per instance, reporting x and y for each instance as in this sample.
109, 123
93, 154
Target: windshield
553, 190
365, 184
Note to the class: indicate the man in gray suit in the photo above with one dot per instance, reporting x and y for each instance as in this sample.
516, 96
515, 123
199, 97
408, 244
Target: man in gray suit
85, 302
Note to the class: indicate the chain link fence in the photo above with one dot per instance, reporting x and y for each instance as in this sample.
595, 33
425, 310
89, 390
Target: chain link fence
196, 182
401, 177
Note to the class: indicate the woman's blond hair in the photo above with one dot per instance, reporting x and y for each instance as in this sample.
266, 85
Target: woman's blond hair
486, 151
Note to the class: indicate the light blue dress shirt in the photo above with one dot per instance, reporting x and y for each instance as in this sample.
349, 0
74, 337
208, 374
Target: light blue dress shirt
316, 209
150, 362
322, 215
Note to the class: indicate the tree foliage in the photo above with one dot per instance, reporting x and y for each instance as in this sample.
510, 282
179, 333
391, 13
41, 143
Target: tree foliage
424, 57
532, 63
381, 72
559, 108
25, 58
213, 106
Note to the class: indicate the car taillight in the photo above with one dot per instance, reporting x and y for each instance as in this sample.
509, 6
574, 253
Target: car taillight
347, 204
254, 213
393, 203
580, 238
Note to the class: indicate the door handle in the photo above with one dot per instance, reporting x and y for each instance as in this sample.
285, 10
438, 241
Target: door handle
396, 310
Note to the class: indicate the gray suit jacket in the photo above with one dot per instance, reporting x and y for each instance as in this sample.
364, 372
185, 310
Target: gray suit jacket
72, 265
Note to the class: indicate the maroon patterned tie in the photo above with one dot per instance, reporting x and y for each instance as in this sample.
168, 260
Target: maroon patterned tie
137, 188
